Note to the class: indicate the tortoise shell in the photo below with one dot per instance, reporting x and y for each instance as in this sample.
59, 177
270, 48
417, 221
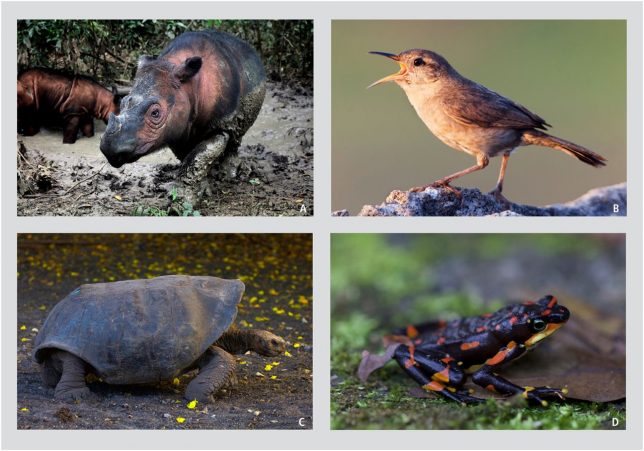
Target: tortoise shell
141, 331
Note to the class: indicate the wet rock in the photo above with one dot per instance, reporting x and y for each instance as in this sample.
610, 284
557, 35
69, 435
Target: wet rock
606, 201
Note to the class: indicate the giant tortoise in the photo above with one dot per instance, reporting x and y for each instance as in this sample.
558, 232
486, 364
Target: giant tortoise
147, 331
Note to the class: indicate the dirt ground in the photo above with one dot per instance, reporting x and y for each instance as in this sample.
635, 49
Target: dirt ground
271, 392
272, 176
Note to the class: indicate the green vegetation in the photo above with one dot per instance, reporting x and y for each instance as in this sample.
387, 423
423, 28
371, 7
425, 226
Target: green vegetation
380, 282
178, 207
109, 49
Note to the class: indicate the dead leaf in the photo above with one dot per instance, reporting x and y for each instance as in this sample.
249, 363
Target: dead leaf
371, 362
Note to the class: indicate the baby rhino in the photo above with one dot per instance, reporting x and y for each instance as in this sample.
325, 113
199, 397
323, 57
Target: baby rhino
148, 331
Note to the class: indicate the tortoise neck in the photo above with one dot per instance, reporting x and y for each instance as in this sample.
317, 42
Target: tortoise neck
237, 341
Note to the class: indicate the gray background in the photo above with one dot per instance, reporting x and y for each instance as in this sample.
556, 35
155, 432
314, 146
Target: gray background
321, 226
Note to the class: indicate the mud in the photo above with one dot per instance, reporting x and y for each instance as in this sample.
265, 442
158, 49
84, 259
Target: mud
271, 176
277, 272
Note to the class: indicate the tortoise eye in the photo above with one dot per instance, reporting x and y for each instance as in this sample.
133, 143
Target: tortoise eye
538, 325
419, 62
155, 113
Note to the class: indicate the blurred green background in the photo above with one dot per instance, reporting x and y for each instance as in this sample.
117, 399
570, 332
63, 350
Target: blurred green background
572, 73
380, 282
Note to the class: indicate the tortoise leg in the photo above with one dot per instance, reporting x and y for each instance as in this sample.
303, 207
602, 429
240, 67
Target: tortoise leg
49, 373
71, 386
216, 367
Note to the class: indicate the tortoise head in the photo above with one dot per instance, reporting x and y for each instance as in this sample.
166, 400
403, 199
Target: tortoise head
267, 343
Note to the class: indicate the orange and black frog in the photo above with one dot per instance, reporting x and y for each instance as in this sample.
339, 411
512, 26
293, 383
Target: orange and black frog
441, 355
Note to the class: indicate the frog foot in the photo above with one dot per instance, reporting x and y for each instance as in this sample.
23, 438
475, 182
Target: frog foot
536, 394
461, 396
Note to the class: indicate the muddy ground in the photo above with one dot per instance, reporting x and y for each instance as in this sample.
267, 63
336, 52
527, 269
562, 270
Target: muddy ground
272, 176
277, 272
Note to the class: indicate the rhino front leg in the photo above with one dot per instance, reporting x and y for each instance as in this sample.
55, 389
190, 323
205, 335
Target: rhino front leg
70, 129
216, 368
87, 126
195, 168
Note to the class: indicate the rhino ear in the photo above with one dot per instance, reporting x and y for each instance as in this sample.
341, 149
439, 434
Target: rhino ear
188, 69
144, 60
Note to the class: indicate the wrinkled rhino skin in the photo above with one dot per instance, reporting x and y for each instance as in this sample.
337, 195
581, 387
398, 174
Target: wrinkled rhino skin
198, 97
50, 97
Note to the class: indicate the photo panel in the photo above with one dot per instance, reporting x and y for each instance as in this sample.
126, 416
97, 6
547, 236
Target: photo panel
164, 331
470, 94
438, 331
202, 117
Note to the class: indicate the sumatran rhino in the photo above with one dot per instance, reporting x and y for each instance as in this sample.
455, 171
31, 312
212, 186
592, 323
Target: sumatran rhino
51, 97
198, 97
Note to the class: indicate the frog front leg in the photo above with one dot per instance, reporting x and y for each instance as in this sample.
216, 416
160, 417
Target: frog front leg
488, 379
434, 372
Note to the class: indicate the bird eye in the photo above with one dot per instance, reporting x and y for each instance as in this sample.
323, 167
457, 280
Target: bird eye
419, 62
538, 325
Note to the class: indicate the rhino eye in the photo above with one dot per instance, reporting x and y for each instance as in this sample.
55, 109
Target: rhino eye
155, 115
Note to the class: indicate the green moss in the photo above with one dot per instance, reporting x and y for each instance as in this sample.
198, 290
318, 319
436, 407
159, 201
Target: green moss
386, 404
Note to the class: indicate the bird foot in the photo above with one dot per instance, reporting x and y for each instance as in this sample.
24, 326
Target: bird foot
447, 186
501, 198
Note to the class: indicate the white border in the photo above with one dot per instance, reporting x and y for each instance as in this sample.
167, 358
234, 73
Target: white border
322, 225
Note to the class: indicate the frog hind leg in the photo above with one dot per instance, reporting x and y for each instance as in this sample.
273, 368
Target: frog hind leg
488, 379
434, 375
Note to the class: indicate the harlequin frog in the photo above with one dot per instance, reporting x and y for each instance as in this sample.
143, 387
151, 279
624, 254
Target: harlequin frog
441, 355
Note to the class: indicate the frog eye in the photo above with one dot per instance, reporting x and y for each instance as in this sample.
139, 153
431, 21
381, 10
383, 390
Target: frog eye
538, 325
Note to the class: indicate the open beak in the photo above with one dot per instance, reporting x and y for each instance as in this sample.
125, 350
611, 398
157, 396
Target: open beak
393, 77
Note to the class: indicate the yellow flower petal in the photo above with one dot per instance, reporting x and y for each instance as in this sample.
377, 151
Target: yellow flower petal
268, 367
296, 345
176, 381
23, 327
24, 409
180, 420
192, 404
273, 377
288, 354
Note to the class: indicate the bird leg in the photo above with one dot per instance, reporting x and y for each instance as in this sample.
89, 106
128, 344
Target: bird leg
496, 192
481, 162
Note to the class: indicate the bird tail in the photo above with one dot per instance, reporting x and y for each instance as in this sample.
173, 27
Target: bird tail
581, 153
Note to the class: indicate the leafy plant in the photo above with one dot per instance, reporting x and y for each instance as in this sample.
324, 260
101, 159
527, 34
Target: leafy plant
109, 49
178, 207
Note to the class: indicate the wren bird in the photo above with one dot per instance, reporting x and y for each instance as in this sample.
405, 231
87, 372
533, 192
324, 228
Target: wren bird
471, 118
